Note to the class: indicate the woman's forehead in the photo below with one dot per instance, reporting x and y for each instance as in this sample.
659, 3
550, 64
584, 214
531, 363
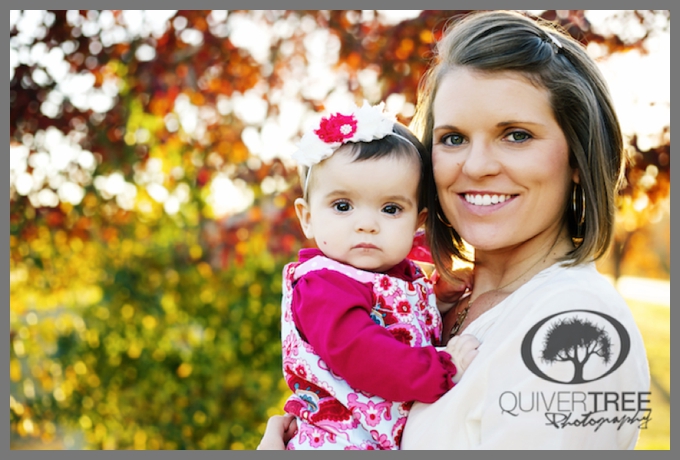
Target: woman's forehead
501, 95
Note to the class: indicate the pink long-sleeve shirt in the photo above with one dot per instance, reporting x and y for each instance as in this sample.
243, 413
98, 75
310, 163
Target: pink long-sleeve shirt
332, 313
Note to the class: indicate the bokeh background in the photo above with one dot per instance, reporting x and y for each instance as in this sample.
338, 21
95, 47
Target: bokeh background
151, 192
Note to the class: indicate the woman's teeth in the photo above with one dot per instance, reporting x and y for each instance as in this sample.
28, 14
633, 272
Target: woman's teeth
486, 200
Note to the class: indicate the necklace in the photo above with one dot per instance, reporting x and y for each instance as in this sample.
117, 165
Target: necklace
462, 315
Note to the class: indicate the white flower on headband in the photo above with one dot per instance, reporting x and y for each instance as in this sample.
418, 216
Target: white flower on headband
359, 125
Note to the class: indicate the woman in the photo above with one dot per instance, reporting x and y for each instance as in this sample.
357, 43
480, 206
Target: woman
526, 155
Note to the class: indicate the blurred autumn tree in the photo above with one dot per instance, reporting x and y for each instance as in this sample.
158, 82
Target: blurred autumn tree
150, 206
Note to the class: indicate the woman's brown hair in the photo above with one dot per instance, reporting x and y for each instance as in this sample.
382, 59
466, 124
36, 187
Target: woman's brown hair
502, 41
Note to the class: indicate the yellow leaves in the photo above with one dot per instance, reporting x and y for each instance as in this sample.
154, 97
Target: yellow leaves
203, 268
93, 380
195, 251
199, 417
102, 313
85, 422
142, 231
87, 403
134, 351
255, 290
16, 406
158, 354
149, 322
184, 370
26, 427
18, 346
80, 368
130, 138
168, 302
207, 295
14, 370
127, 312
140, 440
233, 379
172, 276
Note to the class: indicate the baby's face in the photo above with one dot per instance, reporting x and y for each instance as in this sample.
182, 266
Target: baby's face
363, 213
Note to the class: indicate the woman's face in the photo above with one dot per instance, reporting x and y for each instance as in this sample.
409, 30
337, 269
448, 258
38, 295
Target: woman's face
501, 161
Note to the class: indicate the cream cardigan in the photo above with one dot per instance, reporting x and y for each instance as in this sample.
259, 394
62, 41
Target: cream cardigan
501, 404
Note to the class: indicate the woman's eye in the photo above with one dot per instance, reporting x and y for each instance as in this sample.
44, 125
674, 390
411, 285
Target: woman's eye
391, 209
342, 206
518, 136
452, 139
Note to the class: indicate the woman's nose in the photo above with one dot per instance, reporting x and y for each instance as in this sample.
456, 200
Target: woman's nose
481, 161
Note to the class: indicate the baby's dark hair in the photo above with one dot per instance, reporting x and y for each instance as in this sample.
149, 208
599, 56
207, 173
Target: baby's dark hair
402, 144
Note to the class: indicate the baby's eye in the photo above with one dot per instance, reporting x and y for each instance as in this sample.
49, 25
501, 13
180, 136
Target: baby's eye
342, 206
452, 139
518, 136
391, 209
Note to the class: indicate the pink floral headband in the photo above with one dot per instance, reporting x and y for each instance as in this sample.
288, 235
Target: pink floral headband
358, 125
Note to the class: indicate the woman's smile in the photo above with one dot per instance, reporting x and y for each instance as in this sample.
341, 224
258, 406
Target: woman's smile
486, 199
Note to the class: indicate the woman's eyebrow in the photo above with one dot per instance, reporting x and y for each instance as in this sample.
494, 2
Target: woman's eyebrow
445, 127
515, 122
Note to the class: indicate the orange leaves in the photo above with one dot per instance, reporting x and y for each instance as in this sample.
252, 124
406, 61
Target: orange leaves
426, 36
239, 152
404, 49
354, 60
160, 104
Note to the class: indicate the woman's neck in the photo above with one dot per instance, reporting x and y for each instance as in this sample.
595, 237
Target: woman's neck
509, 268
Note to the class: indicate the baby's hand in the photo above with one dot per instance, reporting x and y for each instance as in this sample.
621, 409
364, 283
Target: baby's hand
463, 350
447, 293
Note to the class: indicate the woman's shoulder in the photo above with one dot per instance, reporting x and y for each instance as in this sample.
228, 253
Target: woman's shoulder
581, 286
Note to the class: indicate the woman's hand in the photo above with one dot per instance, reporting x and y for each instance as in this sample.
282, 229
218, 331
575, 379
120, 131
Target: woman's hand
447, 293
280, 429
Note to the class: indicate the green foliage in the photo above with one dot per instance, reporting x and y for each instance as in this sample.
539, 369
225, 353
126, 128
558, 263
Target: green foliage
175, 355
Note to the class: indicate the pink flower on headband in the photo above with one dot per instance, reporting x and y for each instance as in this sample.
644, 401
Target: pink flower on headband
337, 128
356, 125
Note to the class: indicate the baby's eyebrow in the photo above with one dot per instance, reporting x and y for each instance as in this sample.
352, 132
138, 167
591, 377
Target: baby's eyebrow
338, 193
399, 198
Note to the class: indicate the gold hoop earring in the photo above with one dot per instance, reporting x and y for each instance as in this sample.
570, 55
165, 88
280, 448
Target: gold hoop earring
439, 216
579, 214
443, 220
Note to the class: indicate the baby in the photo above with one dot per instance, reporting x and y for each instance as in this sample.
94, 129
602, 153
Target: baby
359, 319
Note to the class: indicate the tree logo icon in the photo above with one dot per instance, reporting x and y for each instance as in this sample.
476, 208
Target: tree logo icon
575, 346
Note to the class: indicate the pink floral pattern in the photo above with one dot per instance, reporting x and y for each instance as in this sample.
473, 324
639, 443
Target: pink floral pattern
331, 414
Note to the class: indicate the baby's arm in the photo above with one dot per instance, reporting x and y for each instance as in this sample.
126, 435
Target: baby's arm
332, 313
463, 350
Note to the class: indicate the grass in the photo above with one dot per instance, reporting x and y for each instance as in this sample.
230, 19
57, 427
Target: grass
655, 327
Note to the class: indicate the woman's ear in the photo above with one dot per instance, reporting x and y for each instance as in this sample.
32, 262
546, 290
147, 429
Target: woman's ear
304, 216
576, 176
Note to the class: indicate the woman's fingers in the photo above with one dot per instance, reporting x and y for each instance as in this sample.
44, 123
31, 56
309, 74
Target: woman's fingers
280, 429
